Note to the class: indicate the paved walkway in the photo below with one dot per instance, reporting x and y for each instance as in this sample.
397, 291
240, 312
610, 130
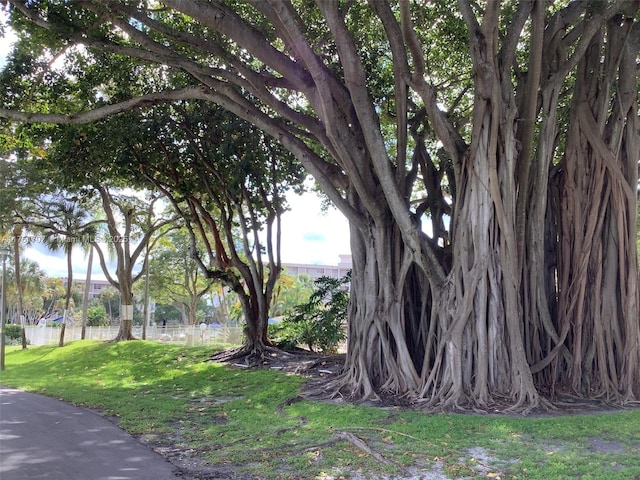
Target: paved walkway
43, 438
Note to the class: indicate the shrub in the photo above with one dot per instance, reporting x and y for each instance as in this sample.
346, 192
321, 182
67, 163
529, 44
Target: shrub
13, 333
319, 323
97, 316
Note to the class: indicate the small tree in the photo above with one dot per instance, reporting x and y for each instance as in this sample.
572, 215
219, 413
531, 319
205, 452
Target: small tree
319, 323
13, 333
175, 278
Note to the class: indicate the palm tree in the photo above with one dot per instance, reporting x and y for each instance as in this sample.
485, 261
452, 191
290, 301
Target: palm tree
11, 233
27, 296
68, 225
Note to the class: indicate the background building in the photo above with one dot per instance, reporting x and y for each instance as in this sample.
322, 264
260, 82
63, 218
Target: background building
317, 271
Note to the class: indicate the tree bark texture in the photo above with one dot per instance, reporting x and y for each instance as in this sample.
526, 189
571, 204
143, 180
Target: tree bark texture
597, 258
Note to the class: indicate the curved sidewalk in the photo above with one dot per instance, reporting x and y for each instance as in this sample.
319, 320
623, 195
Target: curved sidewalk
43, 438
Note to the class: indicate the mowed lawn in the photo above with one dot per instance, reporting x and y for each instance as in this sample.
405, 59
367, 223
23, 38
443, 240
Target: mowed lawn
253, 423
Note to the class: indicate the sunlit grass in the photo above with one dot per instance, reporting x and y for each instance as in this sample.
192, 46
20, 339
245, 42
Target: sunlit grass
239, 417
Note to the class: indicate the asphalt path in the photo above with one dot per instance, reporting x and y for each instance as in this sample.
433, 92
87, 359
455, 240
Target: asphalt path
44, 438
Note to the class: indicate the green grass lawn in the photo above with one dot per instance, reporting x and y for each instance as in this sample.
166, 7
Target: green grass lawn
248, 420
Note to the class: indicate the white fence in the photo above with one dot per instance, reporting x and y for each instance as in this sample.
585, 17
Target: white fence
187, 334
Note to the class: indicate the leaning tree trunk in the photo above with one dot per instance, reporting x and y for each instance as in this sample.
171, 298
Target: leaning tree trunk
597, 271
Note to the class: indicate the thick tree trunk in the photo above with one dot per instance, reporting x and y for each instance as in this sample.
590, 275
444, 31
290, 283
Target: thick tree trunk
480, 358
597, 271
457, 342
256, 318
456, 345
379, 359
256, 339
125, 332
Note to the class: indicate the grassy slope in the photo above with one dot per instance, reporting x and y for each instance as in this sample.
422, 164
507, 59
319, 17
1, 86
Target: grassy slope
239, 418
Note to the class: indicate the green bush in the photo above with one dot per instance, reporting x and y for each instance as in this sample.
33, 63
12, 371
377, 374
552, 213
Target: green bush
319, 323
13, 334
97, 315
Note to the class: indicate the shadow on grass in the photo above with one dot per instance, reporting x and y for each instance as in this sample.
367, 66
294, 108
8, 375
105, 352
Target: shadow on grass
253, 424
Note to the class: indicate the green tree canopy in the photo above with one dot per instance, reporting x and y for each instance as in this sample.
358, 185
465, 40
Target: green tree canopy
175, 278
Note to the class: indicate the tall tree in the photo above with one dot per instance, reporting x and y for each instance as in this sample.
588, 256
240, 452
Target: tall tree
64, 225
232, 201
534, 156
132, 225
17, 193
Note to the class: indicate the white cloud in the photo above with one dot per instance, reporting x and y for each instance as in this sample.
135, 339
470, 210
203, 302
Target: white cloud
55, 263
7, 40
312, 236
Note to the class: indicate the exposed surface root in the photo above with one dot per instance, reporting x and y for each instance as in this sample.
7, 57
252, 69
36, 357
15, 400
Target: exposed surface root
362, 445
248, 356
324, 370
122, 338
325, 383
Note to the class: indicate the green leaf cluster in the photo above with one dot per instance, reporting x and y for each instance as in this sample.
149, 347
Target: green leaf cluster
320, 322
97, 315
13, 333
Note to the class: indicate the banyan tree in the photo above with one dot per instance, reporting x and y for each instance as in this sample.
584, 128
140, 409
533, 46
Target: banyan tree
485, 154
